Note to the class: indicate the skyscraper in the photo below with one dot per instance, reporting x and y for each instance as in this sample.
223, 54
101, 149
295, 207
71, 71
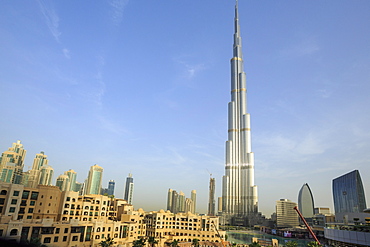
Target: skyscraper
211, 198
129, 189
12, 162
38, 162
94, 180
72, 175
239, 194
193, 198
111, 185
348, 193
305, 201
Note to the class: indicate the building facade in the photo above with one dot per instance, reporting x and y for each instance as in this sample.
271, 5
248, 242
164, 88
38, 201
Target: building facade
211, 198
306, 202
12, 163
348, 193
286, 216
129, 189
239, 193
94, 180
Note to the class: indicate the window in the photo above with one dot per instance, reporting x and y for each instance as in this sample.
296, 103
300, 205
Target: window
14, 201
30, 210
68, 199
34, 195
23, 203
13, 232
56, 239
57, 230
65, 230
1, 232
3, 192
29, 217
2, 201
21, 210
11, 209
16, 193
47, 240
74, 238
64, 238
32, 203
25, 194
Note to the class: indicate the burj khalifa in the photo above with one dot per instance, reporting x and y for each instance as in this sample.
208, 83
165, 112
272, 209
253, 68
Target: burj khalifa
239, 194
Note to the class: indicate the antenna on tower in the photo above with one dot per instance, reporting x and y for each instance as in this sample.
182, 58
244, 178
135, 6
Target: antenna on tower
210, 174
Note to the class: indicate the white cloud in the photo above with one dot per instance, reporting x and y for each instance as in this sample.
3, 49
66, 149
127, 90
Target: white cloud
51, 17
118, 8
67, 53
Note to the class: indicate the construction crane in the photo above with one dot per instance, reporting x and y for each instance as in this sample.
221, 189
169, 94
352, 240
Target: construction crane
308, 227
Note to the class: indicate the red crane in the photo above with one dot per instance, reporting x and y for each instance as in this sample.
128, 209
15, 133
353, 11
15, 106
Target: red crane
308, 227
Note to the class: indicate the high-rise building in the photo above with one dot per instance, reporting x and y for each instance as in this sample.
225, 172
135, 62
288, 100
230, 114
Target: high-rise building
72, 175
211, 198
46, 175
62, 182
239, 194
169, 199
94, 180
12, 162
38, 162
348, 193
286, 216
193, 198
305, 202
129, 189
111, 185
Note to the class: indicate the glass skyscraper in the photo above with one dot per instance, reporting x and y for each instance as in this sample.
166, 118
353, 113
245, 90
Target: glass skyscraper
348, 193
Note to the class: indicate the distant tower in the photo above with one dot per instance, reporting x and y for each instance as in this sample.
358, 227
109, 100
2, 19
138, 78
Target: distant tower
211, 198
111, 185
38, 162
348, 193
305, 202
129, 189
12, 161
285, 213
62, 182
181, 202
72, 175
94, 180
46, 175
239, 194
175, 202
193, 198
169, 199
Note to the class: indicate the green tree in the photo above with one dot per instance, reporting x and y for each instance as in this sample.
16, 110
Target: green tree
313, 244
195, 242
254, 244
139, 243
175, 243
291, 244
152, 241
107, 242
35, 242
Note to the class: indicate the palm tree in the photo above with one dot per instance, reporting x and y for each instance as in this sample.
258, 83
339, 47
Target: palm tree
175, 243
254, 244
291, 244
139, 243
152, 241
107, 242
195, 242
313, 244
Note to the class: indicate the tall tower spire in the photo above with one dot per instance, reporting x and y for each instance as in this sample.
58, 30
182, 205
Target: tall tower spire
239, 194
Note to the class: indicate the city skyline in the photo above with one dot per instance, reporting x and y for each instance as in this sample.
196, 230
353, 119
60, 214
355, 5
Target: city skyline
144, 87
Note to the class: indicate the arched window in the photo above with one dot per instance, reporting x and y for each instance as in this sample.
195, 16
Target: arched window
86, 207
97, 237
13, 232
102, 214
98, 229
3, 192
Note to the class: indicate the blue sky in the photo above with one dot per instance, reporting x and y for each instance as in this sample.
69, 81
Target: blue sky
142, 87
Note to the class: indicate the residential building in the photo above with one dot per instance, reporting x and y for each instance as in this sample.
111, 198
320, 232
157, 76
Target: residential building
94, 180
111, 185
286, 216
12, 163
